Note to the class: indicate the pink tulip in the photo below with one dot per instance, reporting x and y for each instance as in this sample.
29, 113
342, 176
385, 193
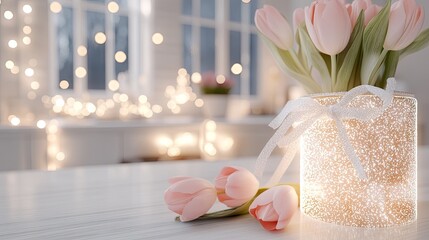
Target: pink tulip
236, 186
298, 18
274, 26
406, 21
370, 10
275, 207
329, 26
190, 197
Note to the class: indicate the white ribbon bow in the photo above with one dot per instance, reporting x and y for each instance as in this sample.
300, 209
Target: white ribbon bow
300, 114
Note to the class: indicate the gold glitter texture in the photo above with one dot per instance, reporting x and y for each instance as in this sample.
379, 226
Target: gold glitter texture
331, 190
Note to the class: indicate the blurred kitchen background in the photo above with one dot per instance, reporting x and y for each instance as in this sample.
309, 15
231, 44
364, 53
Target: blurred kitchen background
87, 82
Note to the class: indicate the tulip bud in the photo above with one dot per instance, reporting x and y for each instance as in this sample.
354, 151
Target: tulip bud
405, 22
274, 26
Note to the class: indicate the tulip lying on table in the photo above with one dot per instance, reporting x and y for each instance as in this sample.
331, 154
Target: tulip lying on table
238, 188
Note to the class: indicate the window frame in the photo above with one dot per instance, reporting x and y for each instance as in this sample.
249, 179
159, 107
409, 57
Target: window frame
80, 7
223, 25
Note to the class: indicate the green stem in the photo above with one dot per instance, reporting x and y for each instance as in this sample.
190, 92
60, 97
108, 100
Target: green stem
376, 69
333, 71
299, 64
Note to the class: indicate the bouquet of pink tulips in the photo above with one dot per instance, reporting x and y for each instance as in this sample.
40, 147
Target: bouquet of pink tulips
335, 46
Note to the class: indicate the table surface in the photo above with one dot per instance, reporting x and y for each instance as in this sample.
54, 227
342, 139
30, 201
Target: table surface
126, 202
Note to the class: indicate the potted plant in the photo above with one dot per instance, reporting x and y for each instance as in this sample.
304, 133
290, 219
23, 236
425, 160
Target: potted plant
215, 90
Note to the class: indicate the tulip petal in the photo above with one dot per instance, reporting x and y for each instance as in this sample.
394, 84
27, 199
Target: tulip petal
198, 205
263, 199
267, 213
191, 185
333, 27
174, 180
396, 25
285, 204
242, 184
270, 226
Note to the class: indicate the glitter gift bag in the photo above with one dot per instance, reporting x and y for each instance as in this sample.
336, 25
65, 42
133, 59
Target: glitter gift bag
331, 189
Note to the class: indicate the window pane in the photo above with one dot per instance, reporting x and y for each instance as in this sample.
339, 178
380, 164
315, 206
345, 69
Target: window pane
123, 4
253, 64
208, 9
96, 52
235, 10
253, 7
187, 47
65, 45
187, 7
207, 49
121, 45
235, 57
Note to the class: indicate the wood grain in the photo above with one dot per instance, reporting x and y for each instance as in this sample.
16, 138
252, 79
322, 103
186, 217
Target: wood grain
125, 202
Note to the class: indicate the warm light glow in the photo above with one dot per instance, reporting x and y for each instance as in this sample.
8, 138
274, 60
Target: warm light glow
80, 72
164, 141
12, 44
14, 120
113, 7
211, 136
156, 108
27, 8
210, 149
196, 77
82, 51
182, 80
26, 40
15, 70
157, 38
237, 69
120, 56
176, 110
56, 7
185, 139
220, 79
142, 99
113, 85
226, 144
26, 30
29, 72
100, 38
8, 15
211, 126
173, 152
123, 97
60, 156
182, 98
182, 72
9, 64
199, 102
41, 124
90, 107
246, 1
64, 84
35, 85
170, 91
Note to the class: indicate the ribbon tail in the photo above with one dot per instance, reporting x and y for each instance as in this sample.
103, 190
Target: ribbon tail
284, 164
348, 148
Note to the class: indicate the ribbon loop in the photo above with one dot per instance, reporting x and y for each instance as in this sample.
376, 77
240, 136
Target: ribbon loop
299, 115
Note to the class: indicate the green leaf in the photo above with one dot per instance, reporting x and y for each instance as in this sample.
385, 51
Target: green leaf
315, 58
287, 64
391, 64
421, 42
230, 212
373, 41
350, 56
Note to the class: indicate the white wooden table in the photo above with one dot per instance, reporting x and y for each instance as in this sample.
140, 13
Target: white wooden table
126, 202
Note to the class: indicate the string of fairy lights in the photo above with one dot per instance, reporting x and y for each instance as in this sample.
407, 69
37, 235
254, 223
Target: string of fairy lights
119, 106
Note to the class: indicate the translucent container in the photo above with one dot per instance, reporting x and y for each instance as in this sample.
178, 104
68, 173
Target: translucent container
332, 191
